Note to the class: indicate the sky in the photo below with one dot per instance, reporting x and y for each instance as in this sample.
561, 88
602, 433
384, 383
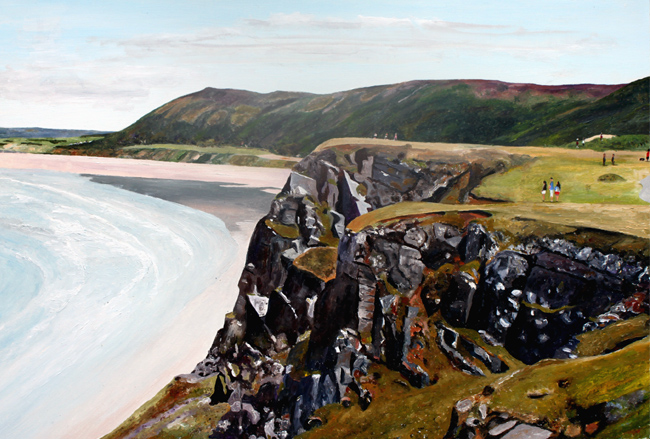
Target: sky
91, 64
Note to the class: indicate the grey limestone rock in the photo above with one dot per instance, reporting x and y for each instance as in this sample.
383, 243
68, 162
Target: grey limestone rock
525, 431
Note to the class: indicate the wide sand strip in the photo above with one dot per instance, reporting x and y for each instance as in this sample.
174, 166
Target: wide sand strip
272, 178
192, 331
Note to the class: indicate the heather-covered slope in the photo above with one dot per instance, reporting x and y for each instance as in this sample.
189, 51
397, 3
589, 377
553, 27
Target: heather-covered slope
470, 111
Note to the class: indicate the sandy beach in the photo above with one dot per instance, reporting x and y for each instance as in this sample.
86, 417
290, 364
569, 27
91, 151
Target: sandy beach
184, 341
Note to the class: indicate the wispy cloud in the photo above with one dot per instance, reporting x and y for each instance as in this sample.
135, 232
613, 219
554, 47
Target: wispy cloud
46, 59
106, 84
289, 35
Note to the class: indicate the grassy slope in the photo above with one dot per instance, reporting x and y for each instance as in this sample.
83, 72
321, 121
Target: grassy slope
577, 170
623, 112
181, 411
400, 411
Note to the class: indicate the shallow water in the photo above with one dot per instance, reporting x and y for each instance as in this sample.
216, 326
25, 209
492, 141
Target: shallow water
88, 275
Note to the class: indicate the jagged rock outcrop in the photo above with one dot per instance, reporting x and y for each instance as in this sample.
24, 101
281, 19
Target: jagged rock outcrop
298, 340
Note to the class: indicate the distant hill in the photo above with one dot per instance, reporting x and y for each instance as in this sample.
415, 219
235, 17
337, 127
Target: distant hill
469, 111
45, 132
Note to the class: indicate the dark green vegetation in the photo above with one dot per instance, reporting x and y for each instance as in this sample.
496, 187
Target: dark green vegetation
46, 132
630, 142
482, 112
45, 144
623, 112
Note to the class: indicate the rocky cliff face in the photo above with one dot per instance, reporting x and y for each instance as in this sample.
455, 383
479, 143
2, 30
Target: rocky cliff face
319, 304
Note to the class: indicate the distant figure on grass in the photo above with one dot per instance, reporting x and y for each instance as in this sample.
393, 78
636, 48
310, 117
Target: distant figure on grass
647, 155
604, 159
386, 136
583, 142
395, 136
557, 191
551, 189
601, 136
613, 162
375, 135
577, 140
544, 191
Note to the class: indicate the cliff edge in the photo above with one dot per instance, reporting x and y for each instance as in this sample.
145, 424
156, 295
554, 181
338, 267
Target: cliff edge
380, 296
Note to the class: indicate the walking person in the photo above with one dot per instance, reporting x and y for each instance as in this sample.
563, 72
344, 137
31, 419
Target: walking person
604, 159
557, 191
544, 191
551, 190
613, 162
647, 155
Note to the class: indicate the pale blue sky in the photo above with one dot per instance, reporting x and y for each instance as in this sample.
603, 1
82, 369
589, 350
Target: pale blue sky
103, 64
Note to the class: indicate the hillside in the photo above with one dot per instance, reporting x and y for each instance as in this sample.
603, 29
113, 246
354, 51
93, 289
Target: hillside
470, 111
382, 298
625, 111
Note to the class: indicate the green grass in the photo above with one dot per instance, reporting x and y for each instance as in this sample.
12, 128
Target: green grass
41, 145
591, 381
634, 426
320, 261
205, 149
290, 232
399, 410
578, 175
601, 340
632, 142
216, 155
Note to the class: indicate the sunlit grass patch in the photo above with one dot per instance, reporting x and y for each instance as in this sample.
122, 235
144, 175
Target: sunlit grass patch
579, 177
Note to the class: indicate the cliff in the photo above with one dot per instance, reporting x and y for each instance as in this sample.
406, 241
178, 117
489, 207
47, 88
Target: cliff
320, 303
381, 297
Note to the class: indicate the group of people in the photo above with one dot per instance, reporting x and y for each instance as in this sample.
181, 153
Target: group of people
605, 159
553, 190
386, 136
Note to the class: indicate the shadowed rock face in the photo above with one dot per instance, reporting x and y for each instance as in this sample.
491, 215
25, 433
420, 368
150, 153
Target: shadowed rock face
294, 342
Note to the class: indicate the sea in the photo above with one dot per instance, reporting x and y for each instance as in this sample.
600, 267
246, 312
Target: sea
89, 273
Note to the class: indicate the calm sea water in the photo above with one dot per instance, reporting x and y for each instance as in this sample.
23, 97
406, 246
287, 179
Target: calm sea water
88, 274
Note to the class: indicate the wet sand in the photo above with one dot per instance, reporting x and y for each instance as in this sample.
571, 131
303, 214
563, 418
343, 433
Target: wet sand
269, 178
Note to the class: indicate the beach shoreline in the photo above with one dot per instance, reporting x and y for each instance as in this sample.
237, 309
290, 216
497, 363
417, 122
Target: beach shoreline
193, 329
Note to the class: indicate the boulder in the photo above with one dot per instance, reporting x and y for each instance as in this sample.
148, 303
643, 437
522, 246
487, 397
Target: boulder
458, 299
448, 340
525, 431
536, 334
477, 244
